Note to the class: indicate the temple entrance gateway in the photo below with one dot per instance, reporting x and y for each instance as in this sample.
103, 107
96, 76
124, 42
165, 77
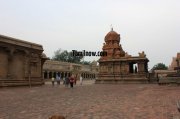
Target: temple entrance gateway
118, 65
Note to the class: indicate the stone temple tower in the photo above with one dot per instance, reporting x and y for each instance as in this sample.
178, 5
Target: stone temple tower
118, 66
112, 46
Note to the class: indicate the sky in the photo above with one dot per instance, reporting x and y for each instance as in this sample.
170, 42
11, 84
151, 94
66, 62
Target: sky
151, 26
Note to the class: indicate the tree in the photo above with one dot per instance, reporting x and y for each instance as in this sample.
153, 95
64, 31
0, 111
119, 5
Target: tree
61, 55
159, 66
74, 59
64, 55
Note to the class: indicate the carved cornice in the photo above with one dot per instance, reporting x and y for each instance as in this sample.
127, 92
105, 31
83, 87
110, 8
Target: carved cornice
17, 42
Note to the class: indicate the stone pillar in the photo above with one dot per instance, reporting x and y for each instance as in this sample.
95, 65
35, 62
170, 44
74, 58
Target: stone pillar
127, 67
43, 73
141, 66
52, 74
10, 60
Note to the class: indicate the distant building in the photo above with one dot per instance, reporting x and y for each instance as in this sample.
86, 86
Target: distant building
57, 68
175, 62
20, 62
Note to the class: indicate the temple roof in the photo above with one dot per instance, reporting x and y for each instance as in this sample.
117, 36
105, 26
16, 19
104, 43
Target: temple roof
112, 35
18, 42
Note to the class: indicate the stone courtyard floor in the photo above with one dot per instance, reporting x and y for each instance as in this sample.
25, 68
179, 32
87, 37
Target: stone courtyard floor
91, 101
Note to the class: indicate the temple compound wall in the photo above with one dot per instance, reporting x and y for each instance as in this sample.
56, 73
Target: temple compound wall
118, 66
20, 62
57, 68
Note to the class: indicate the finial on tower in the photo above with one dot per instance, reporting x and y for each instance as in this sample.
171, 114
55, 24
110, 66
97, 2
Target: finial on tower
111, 27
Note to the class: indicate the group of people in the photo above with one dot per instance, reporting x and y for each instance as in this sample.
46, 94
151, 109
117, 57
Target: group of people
66, 80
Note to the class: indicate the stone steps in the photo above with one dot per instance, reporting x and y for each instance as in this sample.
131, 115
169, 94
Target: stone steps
124, 80
12, 82
169, 80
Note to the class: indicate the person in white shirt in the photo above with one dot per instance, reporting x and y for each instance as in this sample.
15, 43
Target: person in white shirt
81, 80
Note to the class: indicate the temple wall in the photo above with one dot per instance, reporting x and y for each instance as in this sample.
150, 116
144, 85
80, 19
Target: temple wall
16, 66
20, 61
3, 64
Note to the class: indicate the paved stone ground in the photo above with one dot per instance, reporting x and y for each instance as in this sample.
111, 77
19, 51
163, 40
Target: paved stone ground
91, 101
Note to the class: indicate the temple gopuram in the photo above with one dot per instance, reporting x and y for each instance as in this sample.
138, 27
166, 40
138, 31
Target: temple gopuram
118, 66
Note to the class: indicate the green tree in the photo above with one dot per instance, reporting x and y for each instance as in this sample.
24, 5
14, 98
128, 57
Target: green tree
64, 55
159, 66
61, 55
74, 59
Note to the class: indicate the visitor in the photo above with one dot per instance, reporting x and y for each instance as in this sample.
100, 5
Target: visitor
67, 81
135, 69
71, 81
52, 80
64, 81
81, 80
58, 79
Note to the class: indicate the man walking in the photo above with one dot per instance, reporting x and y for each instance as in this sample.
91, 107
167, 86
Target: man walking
71, 81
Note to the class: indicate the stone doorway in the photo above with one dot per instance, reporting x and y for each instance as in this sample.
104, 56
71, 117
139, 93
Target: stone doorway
133, 67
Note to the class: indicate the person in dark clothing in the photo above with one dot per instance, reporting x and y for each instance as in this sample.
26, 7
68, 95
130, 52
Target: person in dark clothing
71, 81
67, 81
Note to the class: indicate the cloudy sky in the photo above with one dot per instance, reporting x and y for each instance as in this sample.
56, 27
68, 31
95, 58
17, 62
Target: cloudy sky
151, 26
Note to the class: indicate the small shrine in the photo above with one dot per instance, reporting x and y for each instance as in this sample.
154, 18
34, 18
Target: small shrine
118, 66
